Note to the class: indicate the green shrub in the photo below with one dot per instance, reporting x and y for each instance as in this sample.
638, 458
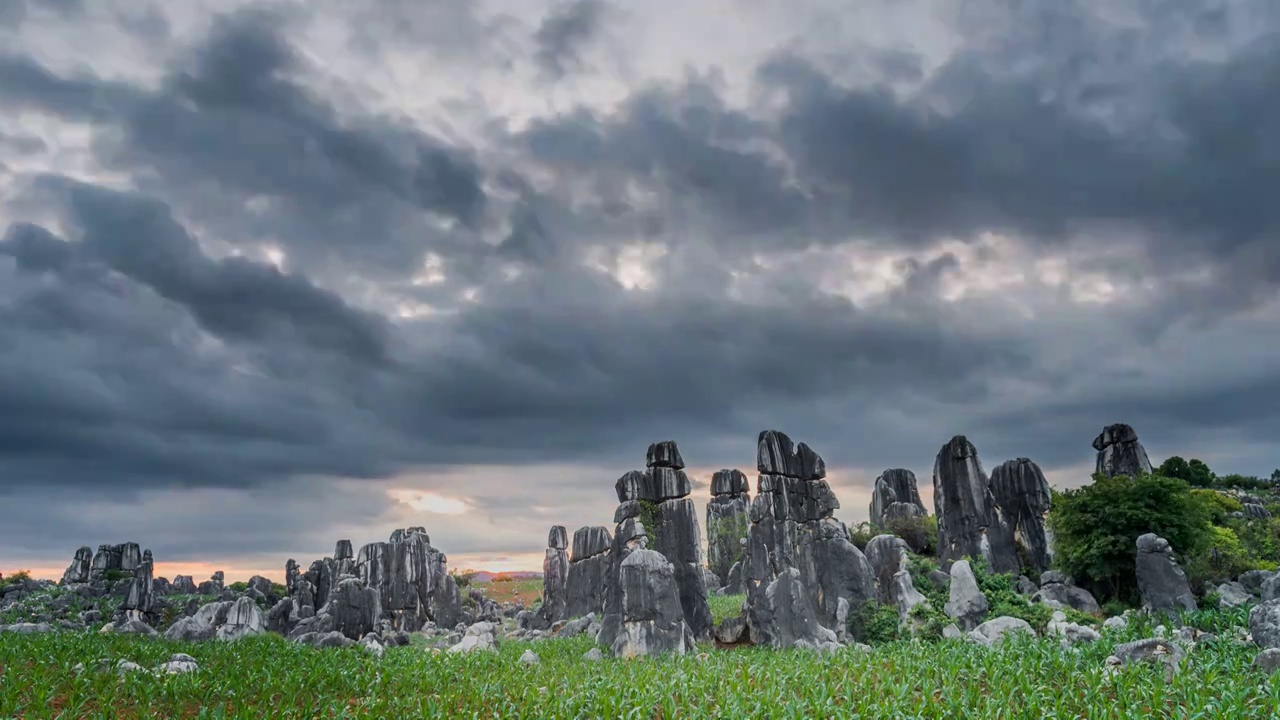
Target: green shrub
1113, 608
929, 621
921, 533
14, 578
113, 576
861, 534
873, 623
238, 586
1096, 527
649, 519
1003, 599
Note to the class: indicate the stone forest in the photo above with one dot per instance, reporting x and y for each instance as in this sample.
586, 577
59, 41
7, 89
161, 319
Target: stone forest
775, 569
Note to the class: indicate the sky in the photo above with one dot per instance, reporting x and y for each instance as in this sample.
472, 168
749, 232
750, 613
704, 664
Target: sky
278, 273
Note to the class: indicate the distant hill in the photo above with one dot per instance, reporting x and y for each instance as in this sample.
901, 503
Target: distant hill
484, 576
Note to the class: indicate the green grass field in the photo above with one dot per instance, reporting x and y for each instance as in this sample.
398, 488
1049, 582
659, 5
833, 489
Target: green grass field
270, 677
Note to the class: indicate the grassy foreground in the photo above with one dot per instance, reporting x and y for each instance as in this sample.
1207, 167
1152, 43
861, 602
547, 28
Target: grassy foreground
270, 677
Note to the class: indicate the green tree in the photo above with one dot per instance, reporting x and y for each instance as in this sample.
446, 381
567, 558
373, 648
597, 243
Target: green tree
1194, 473
1095, 528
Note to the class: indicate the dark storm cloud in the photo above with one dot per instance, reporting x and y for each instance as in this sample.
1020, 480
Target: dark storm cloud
565, 30
131, 357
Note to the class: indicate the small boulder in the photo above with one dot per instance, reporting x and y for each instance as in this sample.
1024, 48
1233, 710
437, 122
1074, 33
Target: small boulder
178, 663
966, 605
995, 630
528, 658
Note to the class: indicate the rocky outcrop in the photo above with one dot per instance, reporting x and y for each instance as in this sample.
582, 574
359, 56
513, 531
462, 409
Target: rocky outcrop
1058, 591
555, 578
227, 620
726, 522
125, 557
896, 507
652, 619
588, 572
184, 585
1161, 580
214, 585
657, 499
888, 557
80, 568
1264, 624
970, 523
966, 603
140, 601
1022, 499
400, 570
799, 563
394, 586
629, 537
1120, 453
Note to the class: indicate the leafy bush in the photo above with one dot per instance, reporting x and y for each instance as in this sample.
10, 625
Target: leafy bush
112, 576
1194, 473
873, 623
1217, 506
1113, 608
14, 578
463, 580
921, 533
238, 586
861, 534
1223, 558
649, 519
1096, 528
930, 621
1002, 595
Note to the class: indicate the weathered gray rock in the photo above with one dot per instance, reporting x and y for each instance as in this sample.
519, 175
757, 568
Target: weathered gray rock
903, 594
727, 521
1157, 650
214, 585
888, 556
733, 584
342, 550
27, 628
678, 538
177, 664
628, 537
243, 618
139, 601
732, 631
354, 607
1072, 633
593, 655
792, 529
529, 658
895, 486
1254, 511
1060, 595
125, 557
996, 630
1264, 624
223, 620
372, 644
555, 578
1120, 453
590, 541
184, 585
588, 572
1271, 587
1233, 594
664, 454
652, 620
1161, 581
80, 568
1252, 580
966, 603
969, 521
321, 640
1267, 661
1026, 586
400, 570
1023, 499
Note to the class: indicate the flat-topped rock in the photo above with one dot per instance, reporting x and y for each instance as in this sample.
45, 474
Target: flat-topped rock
729, 483
590, 541
1120, 452
664, 454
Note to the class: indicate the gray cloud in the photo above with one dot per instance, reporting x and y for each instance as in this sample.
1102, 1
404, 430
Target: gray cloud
1062, 224
564, 31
